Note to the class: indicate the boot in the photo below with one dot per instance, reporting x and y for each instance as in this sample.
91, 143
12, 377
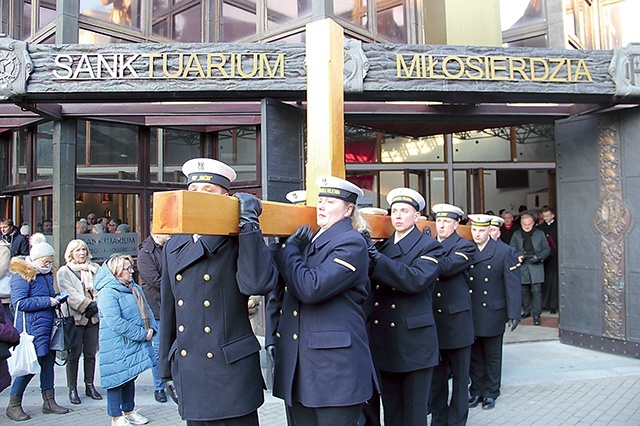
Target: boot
92, 392
14, 409
73, 396
49, 406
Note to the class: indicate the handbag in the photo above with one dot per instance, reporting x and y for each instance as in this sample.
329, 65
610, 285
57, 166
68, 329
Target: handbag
24, 359
5, 286
63, 334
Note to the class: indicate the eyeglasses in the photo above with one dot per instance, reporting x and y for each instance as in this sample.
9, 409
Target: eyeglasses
47, 263
129, 268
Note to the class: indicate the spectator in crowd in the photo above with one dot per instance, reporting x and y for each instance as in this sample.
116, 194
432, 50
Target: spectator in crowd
25, 230
509, 227
33, 299
126, 329
47, 227
150, 272
76, 278
91, 219
550, 288
104, 221
454, 321
113, 225
123, 228
532, 249
81, 227
17, 242
97, 229
10, 335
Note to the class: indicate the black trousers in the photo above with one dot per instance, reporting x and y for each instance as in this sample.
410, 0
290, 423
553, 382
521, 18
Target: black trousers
486, 366
405, 397
87, 346
532, 298
550, 288
250, 419
454, 362
326, 416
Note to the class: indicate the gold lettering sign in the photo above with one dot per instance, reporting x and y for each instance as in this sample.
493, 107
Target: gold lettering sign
493, 68
98, 66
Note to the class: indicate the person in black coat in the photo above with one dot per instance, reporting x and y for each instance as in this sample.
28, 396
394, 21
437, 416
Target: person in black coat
454, 321
550, 287
208, 351
18, 242
494, 280
404, 341
323, 366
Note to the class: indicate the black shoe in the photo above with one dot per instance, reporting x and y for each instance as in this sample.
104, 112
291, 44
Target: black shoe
91, 392
553, 311
73, 396
160, 396
474, 401
488, 403
526, 314
536, 320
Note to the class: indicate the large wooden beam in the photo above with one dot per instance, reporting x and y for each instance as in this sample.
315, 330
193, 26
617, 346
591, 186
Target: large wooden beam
189, 212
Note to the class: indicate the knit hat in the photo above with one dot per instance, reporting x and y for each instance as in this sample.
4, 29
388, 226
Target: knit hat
39, 247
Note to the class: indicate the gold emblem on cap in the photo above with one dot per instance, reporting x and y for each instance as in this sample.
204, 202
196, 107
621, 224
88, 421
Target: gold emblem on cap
200, 166
324, 181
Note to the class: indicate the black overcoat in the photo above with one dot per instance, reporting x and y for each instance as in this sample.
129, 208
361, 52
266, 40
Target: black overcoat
403, 331
207, 345
322, 349
494, 279
452, 301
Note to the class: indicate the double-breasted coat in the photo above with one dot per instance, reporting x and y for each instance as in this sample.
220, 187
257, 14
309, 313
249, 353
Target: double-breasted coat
452, 301
322, 349
494, 280
207, 346
403, 332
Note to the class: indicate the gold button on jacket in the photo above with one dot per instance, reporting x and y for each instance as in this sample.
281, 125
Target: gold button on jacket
206, 303
180, 302
207, 277
178, 277
183, 352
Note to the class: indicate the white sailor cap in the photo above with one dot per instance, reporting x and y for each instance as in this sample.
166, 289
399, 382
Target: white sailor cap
331, 186
447, 210
297, 197
208, 170
406, 195
497, 221
480, 220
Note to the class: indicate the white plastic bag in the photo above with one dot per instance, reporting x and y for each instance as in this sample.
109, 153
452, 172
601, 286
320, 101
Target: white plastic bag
24, 359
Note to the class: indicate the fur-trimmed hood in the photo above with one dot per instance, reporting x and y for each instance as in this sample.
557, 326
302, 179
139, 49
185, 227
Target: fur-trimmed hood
23, 268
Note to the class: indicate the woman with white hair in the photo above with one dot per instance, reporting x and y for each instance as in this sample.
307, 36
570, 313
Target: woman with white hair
34, 300
76, 278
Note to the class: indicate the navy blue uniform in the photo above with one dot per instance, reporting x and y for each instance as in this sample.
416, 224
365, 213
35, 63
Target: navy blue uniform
322, 349
494, 280
454, 322
207, 346
404, 342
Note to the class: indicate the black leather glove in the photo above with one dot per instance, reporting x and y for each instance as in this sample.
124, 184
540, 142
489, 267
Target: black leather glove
374, 254
271, 352
91, 310
534, 259
171, 390
301, 237
250, 208
513, 323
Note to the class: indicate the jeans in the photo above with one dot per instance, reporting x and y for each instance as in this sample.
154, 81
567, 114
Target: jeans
46, 376
121, 399
158, 384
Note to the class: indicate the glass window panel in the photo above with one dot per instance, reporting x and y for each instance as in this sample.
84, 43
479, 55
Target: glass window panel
538, 149
43, 206
44, 151
388, 181
169, 150
619, 26
460, 189
47, 12
369, 184
237, 22
187, 25
19, 158
90, 37
161, 28
437, 187
391, 20
520, 13
481, 146
25, 28
282, 11
360, 145
160, 6
399, 149
354, 11
121, 12
237, 148
107, 150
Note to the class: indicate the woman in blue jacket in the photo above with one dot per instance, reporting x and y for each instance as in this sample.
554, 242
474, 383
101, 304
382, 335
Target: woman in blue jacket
32, 294
126, 329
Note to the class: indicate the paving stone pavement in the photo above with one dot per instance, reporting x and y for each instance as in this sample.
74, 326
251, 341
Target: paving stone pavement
544, 383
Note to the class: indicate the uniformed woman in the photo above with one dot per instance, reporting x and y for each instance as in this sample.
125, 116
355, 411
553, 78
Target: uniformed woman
404, 342
324, 370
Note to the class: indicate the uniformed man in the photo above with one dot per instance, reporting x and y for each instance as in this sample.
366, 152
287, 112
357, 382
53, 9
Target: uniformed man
494, 281
404, 342
454, 321
207, 348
